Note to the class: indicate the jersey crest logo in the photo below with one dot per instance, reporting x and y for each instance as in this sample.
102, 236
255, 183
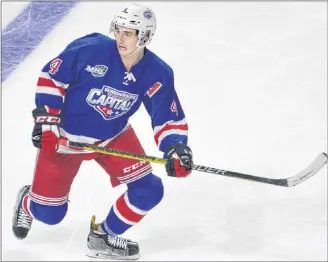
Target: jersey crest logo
151, 91
98, 70
111, 103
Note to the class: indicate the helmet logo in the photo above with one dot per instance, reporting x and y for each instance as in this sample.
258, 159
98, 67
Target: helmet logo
147, 14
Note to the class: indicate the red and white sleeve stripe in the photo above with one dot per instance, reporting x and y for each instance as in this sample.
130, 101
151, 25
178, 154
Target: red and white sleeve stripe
47, 85
170, 128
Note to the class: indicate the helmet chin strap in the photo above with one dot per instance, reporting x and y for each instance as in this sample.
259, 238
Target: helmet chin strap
135, 51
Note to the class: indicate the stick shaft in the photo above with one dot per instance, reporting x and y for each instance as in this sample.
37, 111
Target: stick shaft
312, 169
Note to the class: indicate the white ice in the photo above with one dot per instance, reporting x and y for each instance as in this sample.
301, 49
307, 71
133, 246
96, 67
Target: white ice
252, 78
10, 10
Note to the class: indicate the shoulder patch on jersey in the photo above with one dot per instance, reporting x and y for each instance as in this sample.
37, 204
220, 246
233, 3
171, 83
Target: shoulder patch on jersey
151, 91
97, 71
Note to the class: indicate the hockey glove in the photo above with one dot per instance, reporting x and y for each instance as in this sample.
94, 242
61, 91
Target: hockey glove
179, 160
46, 132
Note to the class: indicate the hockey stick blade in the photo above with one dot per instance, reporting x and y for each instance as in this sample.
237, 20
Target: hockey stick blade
308, 172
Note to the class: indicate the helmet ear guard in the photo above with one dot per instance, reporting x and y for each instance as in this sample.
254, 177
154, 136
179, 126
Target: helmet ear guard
144, 40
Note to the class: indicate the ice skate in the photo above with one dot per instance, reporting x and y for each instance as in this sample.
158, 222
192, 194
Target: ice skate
21, 220
105, 246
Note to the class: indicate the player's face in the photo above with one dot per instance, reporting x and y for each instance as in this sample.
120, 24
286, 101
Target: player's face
126, 40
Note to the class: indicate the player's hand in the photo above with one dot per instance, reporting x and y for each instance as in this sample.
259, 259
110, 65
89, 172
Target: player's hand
179, 160
45, 133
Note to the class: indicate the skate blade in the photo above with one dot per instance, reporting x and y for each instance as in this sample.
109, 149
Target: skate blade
102, 255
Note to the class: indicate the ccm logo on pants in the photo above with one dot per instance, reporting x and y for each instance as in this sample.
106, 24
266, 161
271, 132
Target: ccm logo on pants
134, 166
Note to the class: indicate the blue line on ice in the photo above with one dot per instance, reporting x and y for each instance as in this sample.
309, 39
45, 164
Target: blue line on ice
25, 32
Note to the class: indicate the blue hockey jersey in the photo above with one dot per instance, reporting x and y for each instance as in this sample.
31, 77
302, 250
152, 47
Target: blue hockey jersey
96, 96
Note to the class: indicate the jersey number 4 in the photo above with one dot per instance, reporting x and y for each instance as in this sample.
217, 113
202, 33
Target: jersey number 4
54, 65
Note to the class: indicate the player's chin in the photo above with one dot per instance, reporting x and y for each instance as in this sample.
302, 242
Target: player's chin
123, 52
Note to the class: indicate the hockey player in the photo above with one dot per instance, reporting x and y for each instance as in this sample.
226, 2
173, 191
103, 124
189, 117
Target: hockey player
87, 94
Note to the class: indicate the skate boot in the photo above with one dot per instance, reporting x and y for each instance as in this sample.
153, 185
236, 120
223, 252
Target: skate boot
21, 220
104, 246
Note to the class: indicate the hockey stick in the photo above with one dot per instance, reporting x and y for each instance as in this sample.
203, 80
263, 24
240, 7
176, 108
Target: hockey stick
300, 177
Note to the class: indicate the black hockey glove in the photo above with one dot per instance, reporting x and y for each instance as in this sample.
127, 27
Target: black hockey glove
46, 132
179, 160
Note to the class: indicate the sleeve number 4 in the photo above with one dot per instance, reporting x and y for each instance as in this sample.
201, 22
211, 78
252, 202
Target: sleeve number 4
54, 65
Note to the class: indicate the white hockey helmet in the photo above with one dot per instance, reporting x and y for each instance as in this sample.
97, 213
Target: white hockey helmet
137, 17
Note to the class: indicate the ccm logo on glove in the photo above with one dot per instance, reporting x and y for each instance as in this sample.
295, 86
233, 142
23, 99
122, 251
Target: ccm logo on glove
45, 133
47, 119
